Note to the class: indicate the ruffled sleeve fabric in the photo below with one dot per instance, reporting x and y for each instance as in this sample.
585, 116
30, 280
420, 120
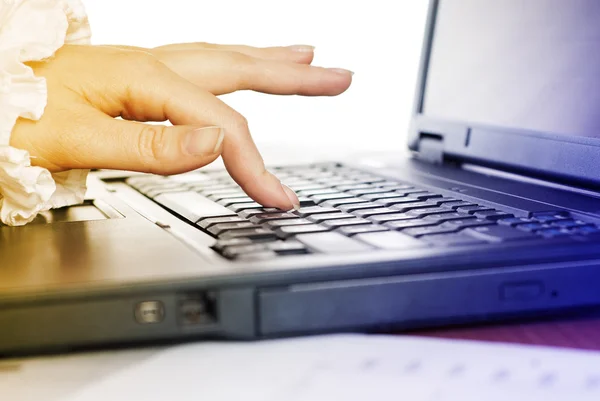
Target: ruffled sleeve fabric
33, 30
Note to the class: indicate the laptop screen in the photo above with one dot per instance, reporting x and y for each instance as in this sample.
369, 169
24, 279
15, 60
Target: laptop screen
522, 64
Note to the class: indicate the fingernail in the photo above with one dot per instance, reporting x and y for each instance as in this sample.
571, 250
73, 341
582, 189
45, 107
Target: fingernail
302, 48
341, 71
204, 141
292, 197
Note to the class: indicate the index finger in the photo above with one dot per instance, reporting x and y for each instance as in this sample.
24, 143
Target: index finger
183, 103
302, 54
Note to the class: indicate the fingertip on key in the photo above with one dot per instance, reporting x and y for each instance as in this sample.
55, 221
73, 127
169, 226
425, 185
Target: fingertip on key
292, 197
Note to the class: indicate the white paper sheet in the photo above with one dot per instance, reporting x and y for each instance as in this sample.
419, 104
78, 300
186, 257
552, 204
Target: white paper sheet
355, 367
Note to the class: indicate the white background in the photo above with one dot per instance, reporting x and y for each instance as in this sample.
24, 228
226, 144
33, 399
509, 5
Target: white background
380, 40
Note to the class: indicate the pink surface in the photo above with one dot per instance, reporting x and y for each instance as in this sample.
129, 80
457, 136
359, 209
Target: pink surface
576, 333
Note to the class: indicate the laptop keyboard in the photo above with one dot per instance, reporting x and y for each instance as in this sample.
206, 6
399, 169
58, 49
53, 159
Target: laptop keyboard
342, 210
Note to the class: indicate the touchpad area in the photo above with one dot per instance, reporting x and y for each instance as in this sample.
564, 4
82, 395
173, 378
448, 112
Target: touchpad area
87, 211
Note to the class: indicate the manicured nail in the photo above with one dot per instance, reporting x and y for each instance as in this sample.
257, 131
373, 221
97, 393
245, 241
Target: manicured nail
341, 71
302, 48
292, 197
204, 141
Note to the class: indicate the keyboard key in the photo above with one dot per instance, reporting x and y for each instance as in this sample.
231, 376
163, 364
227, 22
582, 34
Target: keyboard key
279, 247
207, 189
337, 182
453, 239
443, 201
206, 223
585, 230
413, 223
306, 186
351, 187
532, 227
191, 177
256, 256
420, 231
396, 201
137, 181
358, 206
458, 203
428, 211
144, 188
391, 240
238, 207
332, 242
514, 221
254, 234
553, 232
384, 218
230, 201
291, 247
311, 192
549, 218
391, 188
497, 233
300, 182
322, 175
284, 223
367, 179
192, 206
412, 192
318, 218
405, 207
249, 213
493, 215
152, 193
425, 195
368, 191
376, 197
474, 209
556, 214
355, 221
567, 224
340, 202
237, 250
469, 223
373, 212
363, 228
216, 174
305, 202
391, 184
264, 217
226, 195
444, 217
309, 211
164, 185
327, 197
223, 243
289, 231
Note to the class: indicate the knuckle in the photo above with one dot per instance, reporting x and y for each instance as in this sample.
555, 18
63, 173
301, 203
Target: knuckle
152, 146
244, 67
238, 121
138, 61
238, 58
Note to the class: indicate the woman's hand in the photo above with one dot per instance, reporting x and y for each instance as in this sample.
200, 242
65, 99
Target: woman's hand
90, 85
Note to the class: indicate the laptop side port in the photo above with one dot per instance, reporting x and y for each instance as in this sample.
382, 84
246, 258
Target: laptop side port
198, 309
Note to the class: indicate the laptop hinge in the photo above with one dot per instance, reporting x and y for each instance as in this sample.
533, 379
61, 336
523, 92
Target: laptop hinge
431, 148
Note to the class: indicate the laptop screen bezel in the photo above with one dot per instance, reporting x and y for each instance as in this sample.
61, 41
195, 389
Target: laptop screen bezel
557, 157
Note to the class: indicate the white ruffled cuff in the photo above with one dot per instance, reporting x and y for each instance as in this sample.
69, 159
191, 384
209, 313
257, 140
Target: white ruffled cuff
33, 30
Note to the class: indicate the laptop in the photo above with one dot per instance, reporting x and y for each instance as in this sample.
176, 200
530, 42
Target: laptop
495, 215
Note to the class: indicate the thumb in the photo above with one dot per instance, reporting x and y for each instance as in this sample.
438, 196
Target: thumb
150, 148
